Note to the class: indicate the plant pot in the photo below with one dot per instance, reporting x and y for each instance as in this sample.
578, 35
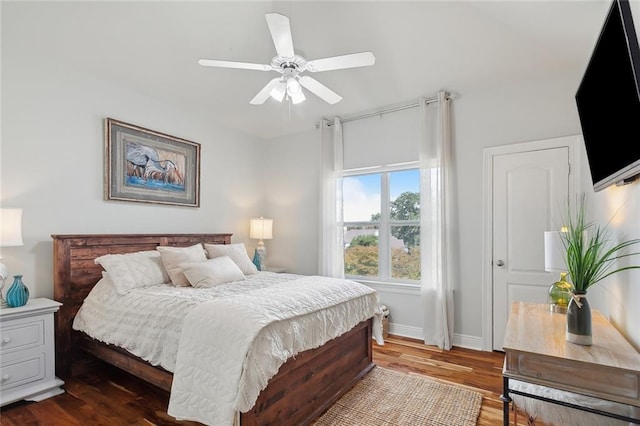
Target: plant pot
579, 320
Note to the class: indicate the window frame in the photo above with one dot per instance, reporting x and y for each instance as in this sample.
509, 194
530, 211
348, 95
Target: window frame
384, 225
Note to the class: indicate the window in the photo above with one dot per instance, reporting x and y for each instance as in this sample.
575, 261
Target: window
381, 215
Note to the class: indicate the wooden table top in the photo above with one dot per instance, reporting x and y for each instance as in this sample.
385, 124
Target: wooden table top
533, 328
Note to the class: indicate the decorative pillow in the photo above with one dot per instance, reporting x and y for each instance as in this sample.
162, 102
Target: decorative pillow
237, 253
172, 257
132, 270
214, 271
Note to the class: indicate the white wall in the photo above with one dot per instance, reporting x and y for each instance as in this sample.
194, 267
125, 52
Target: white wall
51, 165
519, 112
617, 296
292, 180
52, 162
516, 112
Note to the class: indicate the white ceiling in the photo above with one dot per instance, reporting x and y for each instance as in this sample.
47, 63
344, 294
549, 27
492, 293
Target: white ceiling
420, 48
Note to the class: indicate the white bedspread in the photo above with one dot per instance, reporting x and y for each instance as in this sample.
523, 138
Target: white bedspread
233, 355
224, 344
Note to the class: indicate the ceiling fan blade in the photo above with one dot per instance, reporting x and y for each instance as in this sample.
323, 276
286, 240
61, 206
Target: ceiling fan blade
230, 64
264, 94
320, 90
281, 34
353, 60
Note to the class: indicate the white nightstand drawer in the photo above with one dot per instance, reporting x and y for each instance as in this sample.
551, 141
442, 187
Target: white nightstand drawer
26, 370
21, 335
27, 352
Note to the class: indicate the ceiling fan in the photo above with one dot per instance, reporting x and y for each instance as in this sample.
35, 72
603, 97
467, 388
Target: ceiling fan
291, 66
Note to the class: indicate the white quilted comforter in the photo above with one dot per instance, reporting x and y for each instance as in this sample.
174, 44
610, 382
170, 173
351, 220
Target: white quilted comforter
224, 344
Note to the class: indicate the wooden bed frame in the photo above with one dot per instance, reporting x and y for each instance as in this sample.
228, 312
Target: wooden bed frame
304, 387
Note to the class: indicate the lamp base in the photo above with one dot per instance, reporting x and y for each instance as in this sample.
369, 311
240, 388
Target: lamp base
261, 251
4, 273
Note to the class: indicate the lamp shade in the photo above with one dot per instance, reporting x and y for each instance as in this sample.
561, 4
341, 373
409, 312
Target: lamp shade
554, 252
10, 227
261, 228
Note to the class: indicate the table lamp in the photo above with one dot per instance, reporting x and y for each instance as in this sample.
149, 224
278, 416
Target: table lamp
260, 229
10, 236
555, 261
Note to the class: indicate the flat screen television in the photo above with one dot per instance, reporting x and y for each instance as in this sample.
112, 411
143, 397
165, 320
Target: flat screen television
608, 101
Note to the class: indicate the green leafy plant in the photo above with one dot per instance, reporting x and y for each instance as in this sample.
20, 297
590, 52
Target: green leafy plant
591, 254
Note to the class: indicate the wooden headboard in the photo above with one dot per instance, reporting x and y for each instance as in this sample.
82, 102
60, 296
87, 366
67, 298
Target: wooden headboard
75, 274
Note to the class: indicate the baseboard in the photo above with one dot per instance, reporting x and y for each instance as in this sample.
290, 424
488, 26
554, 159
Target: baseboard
406, 331
460, 340
469, 342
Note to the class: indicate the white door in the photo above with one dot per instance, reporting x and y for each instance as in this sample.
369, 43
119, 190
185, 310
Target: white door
529, 190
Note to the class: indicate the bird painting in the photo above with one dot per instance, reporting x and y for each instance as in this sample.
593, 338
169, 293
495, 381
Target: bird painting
146, 167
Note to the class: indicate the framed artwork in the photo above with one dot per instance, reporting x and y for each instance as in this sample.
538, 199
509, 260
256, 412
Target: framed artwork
146, 166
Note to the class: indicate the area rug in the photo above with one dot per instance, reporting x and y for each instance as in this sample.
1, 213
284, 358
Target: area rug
389, 398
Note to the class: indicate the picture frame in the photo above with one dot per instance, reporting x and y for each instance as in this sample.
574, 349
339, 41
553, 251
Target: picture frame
146, 166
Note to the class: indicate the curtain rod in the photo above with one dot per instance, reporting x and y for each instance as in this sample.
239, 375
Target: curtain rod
386, 111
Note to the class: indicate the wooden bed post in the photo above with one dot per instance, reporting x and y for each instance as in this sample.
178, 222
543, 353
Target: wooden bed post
64, 316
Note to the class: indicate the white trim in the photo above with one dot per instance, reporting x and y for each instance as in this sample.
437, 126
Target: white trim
459, 340
572, 143
406, 331
398, 288
469, 342
370, 170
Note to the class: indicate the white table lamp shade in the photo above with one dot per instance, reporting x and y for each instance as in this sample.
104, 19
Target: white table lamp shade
554, 252
261, 228
10, 227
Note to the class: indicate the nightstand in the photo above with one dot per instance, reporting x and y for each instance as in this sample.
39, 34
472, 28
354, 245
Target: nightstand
277, 269
27, 352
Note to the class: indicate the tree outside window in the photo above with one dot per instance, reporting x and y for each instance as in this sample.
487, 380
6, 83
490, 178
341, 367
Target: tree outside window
382, 241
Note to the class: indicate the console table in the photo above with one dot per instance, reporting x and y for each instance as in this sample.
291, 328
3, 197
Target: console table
536, 352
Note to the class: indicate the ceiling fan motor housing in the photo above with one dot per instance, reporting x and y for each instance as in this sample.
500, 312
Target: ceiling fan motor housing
280, 64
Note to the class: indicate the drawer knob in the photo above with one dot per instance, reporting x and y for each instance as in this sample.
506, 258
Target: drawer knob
6, 340
6, 377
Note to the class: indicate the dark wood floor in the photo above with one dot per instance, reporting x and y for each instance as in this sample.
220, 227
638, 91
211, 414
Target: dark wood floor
108, 396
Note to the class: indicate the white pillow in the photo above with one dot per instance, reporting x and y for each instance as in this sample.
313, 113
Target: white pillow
237, 253
132, 270
172, 257
214, 271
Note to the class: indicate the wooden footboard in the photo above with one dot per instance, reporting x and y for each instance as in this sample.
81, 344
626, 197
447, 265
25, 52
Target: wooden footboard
304, 387
309, 383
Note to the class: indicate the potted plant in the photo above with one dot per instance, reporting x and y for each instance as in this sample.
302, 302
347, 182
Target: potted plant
591, 256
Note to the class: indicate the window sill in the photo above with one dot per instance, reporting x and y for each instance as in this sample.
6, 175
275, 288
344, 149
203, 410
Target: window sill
392, 287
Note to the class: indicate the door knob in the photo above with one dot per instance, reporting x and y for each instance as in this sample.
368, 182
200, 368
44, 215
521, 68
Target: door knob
500, 262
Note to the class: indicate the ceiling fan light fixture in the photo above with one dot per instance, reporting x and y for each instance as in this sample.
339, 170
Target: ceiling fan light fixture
294, 91
278, 91
296, 98
293, 87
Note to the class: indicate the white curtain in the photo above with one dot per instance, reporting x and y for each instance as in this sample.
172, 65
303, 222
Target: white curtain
331, 239
436, 222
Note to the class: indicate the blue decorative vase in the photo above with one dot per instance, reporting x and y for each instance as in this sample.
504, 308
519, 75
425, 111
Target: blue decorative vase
18, 293
256, 260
